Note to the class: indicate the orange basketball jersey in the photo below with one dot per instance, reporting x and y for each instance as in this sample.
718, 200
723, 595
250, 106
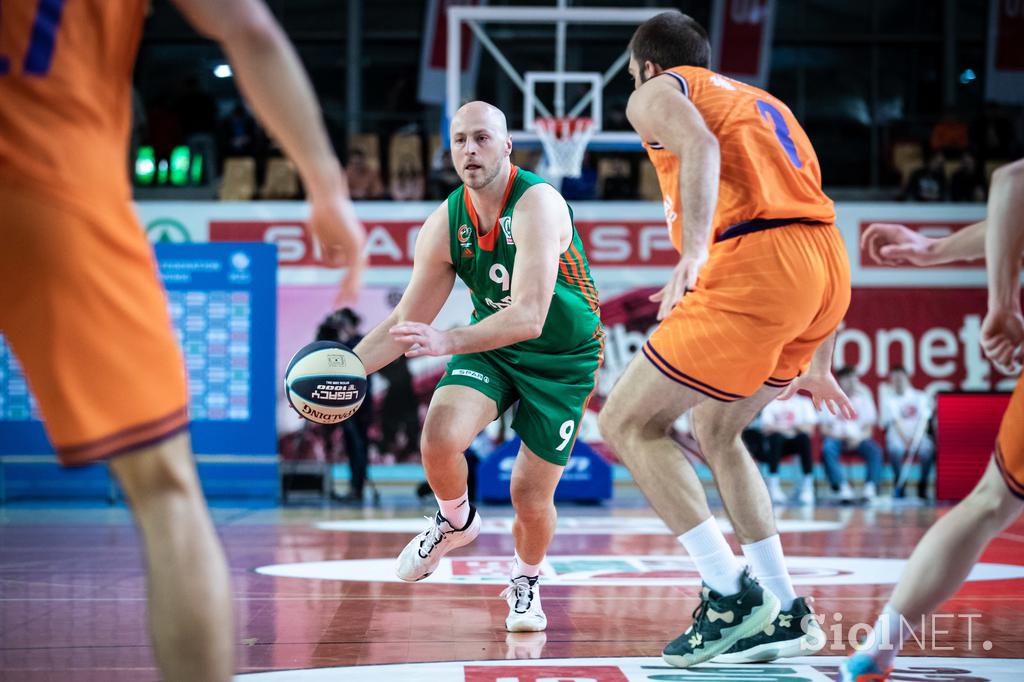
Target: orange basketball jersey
65, 94
769, 172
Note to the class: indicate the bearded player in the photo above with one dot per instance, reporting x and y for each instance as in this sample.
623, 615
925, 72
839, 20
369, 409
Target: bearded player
535, 342
762, 283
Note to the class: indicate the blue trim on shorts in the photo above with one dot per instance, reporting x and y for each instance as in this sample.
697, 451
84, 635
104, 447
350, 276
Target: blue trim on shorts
762, 224
648, 348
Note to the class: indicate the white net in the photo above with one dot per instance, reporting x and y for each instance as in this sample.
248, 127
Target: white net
565, 140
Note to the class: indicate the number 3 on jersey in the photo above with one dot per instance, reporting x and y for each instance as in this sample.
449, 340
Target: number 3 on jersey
781, 131
44, 38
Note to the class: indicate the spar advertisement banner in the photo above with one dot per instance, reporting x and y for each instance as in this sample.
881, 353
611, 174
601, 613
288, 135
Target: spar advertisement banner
927, 320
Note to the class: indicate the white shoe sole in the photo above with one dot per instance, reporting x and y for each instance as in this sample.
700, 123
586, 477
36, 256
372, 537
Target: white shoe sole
751, 625
526, 624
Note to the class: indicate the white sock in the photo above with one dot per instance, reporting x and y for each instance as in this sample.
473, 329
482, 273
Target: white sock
455, 511
768, 565
520, 567
886, 638
713, 557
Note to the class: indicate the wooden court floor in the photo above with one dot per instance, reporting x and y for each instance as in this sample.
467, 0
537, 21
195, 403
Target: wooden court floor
314, 590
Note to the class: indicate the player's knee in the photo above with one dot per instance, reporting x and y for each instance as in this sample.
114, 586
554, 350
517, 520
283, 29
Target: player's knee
992, 502
715, 438
440, 443
158, 471
528, 504
619, 428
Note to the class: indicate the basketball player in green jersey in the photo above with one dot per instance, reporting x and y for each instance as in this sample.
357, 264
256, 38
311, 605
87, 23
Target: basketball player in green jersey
535, 339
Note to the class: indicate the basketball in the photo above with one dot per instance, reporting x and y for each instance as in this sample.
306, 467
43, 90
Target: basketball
325, 382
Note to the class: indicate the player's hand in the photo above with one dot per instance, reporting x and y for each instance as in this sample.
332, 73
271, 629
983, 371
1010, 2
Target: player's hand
825, 391
1002, 333
682, 281
892, 244
348, 287
334, 223
424, 339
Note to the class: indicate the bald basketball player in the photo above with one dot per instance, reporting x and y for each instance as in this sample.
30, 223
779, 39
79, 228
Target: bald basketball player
762, 282
535, 342
80, 300
948, 551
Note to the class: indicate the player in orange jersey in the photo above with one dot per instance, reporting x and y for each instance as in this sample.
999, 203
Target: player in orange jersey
762, 283
950, 548
80, 301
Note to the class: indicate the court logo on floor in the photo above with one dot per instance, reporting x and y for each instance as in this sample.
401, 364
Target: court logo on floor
568, 525
616, 571
816, 669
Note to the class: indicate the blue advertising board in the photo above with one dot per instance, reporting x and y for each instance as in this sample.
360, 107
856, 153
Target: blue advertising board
223, 303
586, 478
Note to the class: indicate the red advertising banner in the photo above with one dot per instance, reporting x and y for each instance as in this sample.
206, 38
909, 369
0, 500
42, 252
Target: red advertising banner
392, 242
546, 673
934, 333
968, 424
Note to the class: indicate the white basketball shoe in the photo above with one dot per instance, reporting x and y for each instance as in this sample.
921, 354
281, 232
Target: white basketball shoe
524, 610
422, 555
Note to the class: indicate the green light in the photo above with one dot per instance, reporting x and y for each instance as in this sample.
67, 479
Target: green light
180, 159
197, 169
145, 166
161, 172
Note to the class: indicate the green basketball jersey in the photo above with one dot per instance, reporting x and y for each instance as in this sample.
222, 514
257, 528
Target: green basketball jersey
486, 264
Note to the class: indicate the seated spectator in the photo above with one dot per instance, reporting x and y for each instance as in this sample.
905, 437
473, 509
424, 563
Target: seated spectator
843, 436
928, 183
788, 426
905, 415
363, 179
967, 183
407, 182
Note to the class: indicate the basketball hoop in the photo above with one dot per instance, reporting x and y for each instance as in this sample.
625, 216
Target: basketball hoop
565, 140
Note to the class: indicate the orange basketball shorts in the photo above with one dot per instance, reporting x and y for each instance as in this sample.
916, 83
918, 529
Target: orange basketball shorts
763, 304
84, 311
1010, 443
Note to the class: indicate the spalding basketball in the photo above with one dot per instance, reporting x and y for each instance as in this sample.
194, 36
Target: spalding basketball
325, 382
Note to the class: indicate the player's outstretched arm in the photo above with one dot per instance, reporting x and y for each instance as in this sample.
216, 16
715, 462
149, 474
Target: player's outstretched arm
658, 110
1002, 332
433, 277
272, 79
540, 219
895, 245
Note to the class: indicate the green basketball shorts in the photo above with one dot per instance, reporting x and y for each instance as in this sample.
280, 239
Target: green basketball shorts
552, 391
